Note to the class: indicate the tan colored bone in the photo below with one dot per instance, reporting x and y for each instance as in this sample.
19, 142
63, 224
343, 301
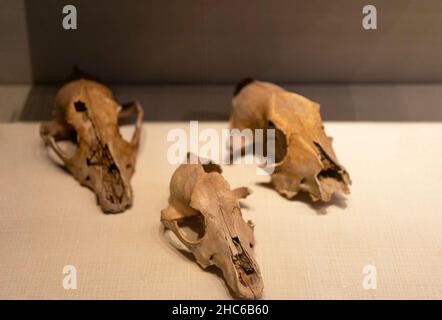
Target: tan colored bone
199, 192
305, 160
87, 114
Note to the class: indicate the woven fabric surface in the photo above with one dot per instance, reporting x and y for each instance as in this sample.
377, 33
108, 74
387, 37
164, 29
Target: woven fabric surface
392, 220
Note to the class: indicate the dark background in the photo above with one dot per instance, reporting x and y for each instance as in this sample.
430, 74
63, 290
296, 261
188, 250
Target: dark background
182, 58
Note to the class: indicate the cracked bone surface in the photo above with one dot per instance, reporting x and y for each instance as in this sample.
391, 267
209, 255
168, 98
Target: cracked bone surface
200, 198
86, 114
304, 157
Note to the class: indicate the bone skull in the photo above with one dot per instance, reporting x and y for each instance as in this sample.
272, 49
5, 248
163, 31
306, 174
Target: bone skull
304, 157
199, 193
87, 115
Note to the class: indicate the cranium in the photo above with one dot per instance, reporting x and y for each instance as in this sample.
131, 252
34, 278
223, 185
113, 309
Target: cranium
87, 114
199, 194
304, 157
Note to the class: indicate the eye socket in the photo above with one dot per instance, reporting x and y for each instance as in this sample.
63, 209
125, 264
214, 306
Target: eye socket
66, 141
192, 228
280, 143
126, 120
80, 106
68, 146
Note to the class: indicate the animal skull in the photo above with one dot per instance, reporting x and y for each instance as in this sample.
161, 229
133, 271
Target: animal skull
87, 114
304, 157
200, 195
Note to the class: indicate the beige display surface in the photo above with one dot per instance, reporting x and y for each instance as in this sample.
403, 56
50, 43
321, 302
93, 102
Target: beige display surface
392, 220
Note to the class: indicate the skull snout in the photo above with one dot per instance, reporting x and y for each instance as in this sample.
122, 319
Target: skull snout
116, 194
242, 272
109, 205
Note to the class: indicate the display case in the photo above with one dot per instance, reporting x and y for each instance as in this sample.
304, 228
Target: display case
374, 69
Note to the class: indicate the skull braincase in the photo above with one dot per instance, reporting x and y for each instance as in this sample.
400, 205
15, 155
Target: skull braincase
200, 192
305, 160
87, 114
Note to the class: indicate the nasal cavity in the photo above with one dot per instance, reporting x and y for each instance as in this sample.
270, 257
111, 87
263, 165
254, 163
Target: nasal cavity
112, 168
192, 228
80, 106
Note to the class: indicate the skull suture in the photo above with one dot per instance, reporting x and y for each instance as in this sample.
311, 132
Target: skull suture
200, 195
87, 114
304, 157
